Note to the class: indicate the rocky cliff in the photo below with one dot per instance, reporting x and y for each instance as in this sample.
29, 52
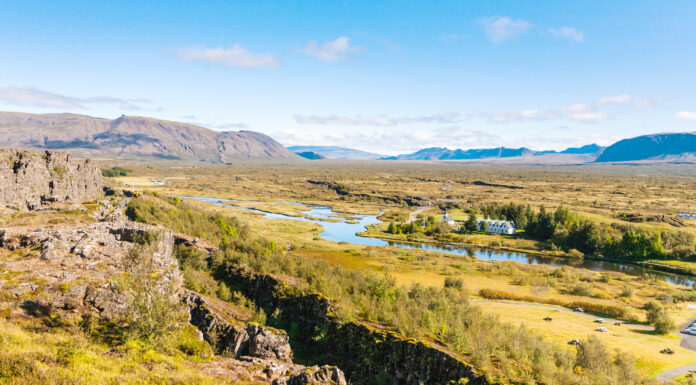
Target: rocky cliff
76, 271
368, 354
29, 180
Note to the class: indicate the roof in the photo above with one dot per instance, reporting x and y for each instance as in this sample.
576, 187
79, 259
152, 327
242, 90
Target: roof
493, 222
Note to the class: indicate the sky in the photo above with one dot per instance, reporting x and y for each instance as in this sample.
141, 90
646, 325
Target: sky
383, 76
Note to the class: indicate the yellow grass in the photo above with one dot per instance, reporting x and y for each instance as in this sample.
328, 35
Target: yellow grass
566, 326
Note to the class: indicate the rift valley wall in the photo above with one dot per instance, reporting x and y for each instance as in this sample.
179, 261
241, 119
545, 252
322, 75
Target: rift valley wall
368, 355
29, 180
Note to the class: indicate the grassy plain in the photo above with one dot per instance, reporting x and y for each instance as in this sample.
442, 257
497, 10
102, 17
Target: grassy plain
651, 192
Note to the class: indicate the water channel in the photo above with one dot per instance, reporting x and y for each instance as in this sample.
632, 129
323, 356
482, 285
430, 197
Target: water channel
341, 227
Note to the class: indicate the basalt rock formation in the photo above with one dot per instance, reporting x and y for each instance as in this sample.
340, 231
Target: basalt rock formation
250, 345
29, 180
368, 354
73, 270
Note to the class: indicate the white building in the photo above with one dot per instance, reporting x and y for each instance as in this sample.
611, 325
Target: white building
498, 227
447, 219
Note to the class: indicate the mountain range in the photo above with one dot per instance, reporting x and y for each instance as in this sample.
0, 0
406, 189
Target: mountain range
442, 153
139, 138
132, 137
673, 146
333, 152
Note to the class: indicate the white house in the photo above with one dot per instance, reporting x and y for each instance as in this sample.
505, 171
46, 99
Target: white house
498, 227
447, 219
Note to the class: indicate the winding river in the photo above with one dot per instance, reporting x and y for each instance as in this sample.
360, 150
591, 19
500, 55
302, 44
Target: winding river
338, 228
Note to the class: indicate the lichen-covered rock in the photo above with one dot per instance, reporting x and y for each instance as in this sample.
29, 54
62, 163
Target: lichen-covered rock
76, 268
29, 180
236, 339
315, 375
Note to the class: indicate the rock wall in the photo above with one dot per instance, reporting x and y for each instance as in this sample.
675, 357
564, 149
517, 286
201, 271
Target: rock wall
29, 180
366, 354
263, 347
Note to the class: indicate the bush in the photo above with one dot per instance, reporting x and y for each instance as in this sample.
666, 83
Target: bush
153, 308
115, 171
456, 283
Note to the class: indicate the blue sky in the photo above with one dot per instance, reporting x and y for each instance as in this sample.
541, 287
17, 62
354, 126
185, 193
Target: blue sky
383, 76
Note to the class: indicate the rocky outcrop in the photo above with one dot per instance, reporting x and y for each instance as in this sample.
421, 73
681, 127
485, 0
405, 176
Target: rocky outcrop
73, 269
234, 338
29, 180
258, 370
263, 347
367, 354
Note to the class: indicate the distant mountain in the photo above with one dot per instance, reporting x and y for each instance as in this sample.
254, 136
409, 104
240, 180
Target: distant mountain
131, 137
311, 155
656, 146
332, 152
441, 153
587, 149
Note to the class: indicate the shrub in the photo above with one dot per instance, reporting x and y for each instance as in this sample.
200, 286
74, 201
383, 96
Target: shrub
153, 308
115, 171
456, 283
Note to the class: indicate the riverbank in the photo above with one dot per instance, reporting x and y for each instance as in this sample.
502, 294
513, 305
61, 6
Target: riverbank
680, 271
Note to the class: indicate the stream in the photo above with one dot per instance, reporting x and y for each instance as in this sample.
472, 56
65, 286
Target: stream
338, 228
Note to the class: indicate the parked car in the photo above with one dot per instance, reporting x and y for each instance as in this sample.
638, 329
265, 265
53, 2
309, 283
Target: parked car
602, 329
599, 321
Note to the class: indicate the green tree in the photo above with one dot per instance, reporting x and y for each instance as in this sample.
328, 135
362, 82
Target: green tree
470, 224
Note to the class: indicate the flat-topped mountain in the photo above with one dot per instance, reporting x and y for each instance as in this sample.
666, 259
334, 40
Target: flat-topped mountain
678, 146
131, 137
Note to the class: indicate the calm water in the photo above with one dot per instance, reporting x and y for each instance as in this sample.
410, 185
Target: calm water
339, 230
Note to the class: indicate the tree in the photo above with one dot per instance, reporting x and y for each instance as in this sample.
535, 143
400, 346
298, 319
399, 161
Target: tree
544, 227
470, 224
484, 226
659, 317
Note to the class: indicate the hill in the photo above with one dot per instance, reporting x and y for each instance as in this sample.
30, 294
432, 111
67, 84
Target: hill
652, 147
333, 152
131, 137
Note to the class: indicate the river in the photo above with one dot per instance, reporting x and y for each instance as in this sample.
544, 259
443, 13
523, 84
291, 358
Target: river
338, 228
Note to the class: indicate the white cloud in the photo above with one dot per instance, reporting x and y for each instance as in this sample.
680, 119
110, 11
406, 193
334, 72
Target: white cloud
531, 114
618, 99
567, 33
382, 121
503, 28
589, 116
29, 96
685, 115
581, 112
237, 56
336, 50
390, 141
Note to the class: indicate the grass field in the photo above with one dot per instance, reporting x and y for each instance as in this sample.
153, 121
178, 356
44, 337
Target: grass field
598, 192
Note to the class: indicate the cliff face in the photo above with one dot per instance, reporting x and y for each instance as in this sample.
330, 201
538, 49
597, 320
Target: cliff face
368, 355
28, 179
